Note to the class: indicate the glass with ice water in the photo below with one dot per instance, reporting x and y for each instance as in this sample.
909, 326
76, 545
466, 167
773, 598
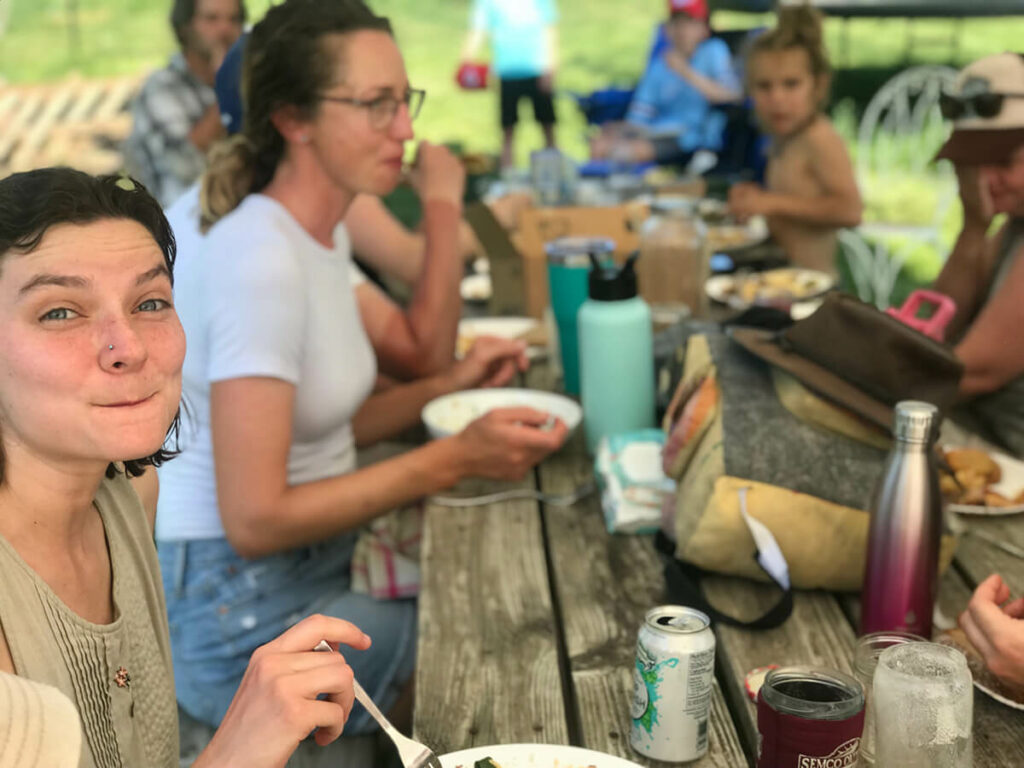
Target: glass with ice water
865, 661
924, 703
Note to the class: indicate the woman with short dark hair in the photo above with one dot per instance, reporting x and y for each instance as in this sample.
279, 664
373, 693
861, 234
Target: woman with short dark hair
90, 384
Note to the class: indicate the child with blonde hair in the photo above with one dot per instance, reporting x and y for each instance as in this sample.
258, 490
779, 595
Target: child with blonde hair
810, 190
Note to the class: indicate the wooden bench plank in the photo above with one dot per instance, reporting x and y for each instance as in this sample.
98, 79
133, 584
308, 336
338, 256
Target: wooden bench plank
488, 670
605, 585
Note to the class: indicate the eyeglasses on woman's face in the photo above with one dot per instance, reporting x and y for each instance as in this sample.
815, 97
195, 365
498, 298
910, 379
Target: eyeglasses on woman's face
381, 110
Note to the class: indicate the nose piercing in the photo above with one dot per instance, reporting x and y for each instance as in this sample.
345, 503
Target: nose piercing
110, 346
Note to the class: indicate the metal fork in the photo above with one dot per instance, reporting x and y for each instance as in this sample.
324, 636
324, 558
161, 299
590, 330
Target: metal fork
412, 753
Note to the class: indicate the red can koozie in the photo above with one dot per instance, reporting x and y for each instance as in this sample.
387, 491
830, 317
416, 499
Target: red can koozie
809, 718
471, 77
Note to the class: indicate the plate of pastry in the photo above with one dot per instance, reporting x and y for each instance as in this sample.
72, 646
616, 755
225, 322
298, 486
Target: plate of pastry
743, 290
981, 482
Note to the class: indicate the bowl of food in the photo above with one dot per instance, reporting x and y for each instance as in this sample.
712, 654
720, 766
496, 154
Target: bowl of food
533, 756
450, 414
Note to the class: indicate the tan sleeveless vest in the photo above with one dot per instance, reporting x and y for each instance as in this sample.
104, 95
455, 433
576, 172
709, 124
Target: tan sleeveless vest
118, 675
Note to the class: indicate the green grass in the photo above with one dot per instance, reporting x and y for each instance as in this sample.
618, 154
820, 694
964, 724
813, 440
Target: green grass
602, 42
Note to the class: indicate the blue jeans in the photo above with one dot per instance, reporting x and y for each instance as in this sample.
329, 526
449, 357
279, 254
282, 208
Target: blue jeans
221, 607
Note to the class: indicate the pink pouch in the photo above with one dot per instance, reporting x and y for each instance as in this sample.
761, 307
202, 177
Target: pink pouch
934, 326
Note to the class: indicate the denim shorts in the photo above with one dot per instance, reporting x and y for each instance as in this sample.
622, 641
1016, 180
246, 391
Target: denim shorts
221, 607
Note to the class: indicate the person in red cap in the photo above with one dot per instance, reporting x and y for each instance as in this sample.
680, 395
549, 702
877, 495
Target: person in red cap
671, 114
985, 272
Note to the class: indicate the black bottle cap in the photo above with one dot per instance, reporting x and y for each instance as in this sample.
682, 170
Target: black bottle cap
610, 283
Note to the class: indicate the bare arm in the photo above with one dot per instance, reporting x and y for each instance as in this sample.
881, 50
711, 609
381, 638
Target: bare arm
968, 270
490, 362
966, 274
396, 409
474, 42
993, 349
420, 341
551, 49
712, 90
262, 513
381, 240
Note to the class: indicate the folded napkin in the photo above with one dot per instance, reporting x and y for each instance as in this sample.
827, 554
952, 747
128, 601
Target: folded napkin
386, 562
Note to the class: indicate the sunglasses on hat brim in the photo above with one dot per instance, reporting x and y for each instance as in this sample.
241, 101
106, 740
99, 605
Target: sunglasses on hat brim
984, 105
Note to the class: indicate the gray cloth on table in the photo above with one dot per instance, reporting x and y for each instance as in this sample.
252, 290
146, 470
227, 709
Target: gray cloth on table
999, 416
766, 443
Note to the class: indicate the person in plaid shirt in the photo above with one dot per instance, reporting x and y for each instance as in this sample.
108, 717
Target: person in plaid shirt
175, 115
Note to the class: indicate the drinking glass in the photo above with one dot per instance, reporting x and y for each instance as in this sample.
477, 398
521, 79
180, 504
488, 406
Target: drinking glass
865, 660
924, 702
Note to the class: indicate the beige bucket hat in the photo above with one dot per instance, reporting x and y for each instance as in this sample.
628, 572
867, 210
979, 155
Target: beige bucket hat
986, 105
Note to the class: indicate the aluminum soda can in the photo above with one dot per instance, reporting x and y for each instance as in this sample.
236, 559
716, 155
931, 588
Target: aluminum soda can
672, 684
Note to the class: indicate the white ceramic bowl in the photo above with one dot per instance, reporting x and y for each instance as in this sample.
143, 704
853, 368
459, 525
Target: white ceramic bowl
450, 414
535, 756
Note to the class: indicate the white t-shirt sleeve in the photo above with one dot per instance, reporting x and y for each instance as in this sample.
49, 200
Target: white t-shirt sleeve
255, 300
355, 274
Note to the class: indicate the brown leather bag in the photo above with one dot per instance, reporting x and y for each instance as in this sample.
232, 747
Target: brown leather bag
861, 358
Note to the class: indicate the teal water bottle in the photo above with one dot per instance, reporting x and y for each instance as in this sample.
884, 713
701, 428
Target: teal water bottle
616, 345
568, 279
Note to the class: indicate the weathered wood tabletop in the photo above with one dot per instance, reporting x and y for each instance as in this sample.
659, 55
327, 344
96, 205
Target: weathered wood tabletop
529, 614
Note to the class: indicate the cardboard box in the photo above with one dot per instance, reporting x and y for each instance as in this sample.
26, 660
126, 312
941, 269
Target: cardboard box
538, 226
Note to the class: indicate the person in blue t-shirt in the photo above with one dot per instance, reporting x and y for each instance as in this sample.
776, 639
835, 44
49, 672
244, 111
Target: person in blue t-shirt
524, 44
671, 115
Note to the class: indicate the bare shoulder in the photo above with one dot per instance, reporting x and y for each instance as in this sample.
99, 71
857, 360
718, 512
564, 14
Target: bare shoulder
822, 137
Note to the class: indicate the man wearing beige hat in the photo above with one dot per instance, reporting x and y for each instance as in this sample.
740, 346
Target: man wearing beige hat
985, 272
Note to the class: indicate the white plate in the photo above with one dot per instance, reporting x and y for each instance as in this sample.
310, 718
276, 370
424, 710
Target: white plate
725, 237
476, 288
998, 696
721, 288
535, 756
450, 414
471, 328
502, 327
1010, 485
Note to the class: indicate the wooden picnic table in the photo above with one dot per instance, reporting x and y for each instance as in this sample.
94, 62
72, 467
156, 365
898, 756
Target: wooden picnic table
529, 614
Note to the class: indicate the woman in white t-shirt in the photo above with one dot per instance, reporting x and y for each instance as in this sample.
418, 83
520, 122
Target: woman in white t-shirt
257, 515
